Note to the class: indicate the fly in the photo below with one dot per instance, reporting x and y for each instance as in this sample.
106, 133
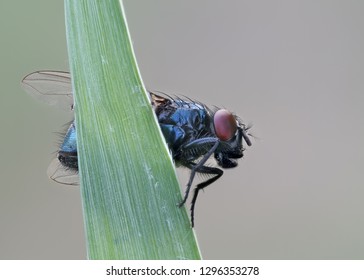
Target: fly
192, 131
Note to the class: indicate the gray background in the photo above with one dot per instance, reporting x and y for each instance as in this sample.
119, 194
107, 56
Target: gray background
295, 69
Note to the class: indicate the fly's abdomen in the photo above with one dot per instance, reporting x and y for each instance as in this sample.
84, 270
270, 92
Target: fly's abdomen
67, 154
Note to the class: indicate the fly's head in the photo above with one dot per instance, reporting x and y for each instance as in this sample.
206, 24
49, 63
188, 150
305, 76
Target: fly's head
231, 132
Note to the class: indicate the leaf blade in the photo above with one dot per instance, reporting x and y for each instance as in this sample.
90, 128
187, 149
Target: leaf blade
129, 187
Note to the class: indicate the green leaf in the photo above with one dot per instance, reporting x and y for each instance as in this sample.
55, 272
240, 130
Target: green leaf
128, 182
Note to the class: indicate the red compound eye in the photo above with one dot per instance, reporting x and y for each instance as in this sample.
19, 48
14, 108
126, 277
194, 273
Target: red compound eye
225, 125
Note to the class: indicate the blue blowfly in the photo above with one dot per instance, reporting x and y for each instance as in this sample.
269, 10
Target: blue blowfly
192, 131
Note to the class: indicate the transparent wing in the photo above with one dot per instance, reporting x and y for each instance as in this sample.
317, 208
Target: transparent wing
51, 87
58, 173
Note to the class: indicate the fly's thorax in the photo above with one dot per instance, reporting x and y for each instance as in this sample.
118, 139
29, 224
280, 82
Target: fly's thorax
183, 122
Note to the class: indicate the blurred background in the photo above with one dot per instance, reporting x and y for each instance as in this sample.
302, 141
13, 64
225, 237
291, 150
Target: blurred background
294, 69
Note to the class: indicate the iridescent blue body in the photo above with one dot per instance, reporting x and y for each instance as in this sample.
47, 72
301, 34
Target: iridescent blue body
67, 154
178, 127
189, 129
192, 131
182, 122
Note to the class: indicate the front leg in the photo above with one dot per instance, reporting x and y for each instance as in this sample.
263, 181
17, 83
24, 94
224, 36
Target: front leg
196, 144
206, 170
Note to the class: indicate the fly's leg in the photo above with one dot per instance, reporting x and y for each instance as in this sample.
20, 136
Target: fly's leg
206, 170
195, 167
